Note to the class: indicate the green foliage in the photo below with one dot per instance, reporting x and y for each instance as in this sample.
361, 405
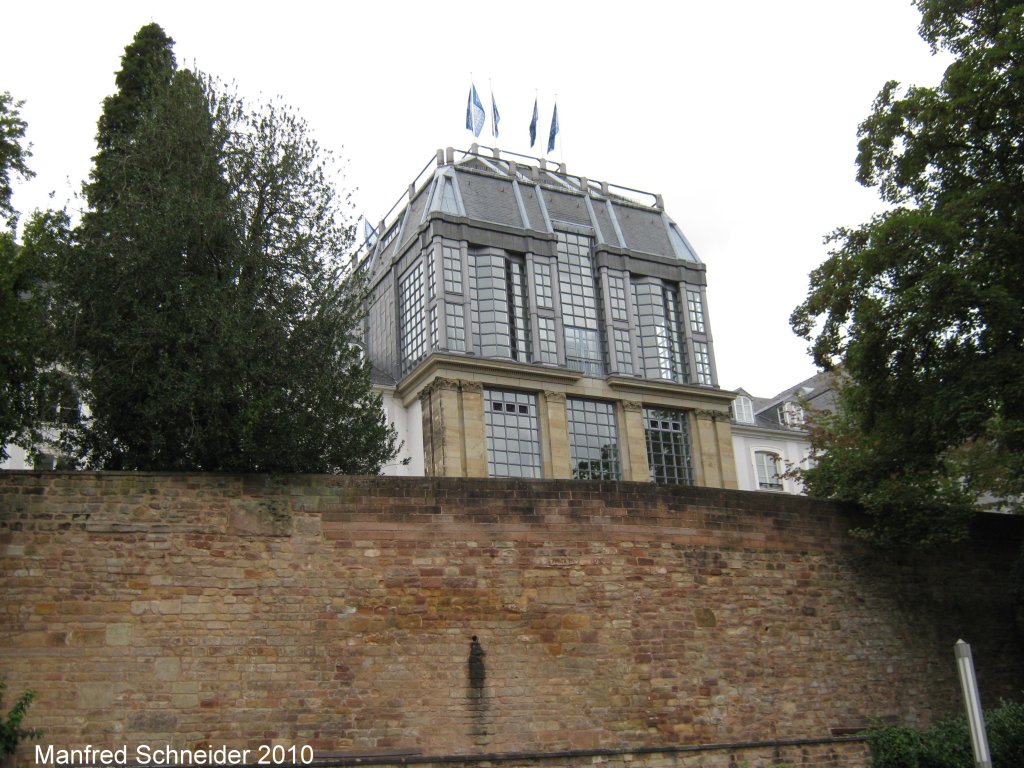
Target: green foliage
27, 373
208, 307
28, 376
922, 306
947, 744
11, 732
13, 152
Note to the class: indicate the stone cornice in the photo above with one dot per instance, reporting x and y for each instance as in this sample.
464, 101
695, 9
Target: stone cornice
717, 400
449, 366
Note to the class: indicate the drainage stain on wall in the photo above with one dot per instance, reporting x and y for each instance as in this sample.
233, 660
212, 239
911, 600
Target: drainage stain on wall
480, 721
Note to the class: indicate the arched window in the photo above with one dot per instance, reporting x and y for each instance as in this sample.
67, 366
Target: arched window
767, 465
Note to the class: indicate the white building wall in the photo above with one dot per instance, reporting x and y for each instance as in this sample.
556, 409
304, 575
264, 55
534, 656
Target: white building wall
408, 423
17, 458
792, 449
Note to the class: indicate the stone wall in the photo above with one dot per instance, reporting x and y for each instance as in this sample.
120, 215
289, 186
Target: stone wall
195, 610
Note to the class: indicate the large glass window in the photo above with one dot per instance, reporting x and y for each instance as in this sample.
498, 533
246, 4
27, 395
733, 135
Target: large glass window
703, 359
623, 351
412, 317
578, 294
617, 297
583, 351
657, 323
513, 434
499, 300
491, 304
695, 307
593, 440
668, 446
546, 343
515, 278
766, 464
455, 327
452, 269
542, 285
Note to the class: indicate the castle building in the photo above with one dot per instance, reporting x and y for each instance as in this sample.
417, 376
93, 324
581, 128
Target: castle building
526, 322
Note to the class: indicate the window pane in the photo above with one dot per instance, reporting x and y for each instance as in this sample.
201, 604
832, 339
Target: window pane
455, 327
668, 446
657, 322
695, 307
513, 434
412, 320
593, 440
452, 269
703, 359
767, 466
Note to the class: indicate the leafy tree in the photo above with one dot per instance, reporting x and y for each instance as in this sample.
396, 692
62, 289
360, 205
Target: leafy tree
922, 306
13, 152
209, 312
27, 373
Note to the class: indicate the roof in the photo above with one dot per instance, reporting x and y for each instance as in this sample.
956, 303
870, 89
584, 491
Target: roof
520, 192
816, 393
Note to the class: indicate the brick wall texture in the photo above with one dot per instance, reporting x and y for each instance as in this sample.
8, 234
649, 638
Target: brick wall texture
616, 623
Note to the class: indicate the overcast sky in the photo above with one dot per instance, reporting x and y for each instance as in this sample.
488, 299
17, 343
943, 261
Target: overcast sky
743, 115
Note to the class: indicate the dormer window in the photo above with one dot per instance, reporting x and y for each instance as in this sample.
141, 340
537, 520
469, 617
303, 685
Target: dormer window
791, 415
743, 410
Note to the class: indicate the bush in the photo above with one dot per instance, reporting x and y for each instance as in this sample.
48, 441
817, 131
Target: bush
11, 731
947, 744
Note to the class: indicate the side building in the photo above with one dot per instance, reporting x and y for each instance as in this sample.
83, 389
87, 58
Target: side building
770, 434
526, 322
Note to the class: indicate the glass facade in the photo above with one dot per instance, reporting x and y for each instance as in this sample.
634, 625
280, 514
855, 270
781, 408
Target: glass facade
499, 300
593, 440
695, 308
542, 285
656, 317
578, 295
547, 345
617, 298
412, 319
623, 351
452, 269
490, 294
455, 327
513, 434
668, 446
702, 357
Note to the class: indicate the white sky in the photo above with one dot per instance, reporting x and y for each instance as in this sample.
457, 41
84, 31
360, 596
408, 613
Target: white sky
742, 114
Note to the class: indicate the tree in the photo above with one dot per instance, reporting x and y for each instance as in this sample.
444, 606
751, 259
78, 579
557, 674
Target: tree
209, 315
14, 154
28, 378
923, 306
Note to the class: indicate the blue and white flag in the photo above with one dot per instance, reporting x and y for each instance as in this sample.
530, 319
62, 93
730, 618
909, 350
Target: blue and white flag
554, 129
495, 117
474, 112
533, 123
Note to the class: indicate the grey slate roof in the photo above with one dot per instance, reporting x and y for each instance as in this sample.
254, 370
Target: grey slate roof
534, 195
816, 393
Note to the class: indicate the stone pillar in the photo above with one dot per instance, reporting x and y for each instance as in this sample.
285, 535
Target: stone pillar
714, 462
442, 429
727, 459
555, 461
634, 443
473, 430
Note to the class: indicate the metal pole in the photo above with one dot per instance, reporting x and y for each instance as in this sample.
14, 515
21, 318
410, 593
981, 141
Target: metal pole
972, 702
